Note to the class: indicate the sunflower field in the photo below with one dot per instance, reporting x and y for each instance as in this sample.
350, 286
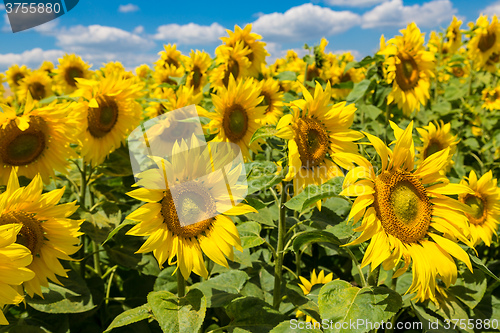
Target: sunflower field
365, 198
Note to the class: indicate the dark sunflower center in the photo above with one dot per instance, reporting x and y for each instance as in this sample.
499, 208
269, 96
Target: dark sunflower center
71, 74
458, 71
103, 118
345, 77
17, 78
235, 123
312, 141
232, 68
171, 61
196, 205
31, 234
18, 147
312, 72
250, 56
402, 205
196, 77
168, 80
494, 58
160, 109
486, 41
37, 90
433, 147
406, 71
479, 212
266, 102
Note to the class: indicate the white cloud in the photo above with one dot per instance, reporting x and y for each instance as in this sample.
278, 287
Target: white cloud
304, 22
138, 30
191, 33
493, 9
100, 39
130, 8
2, 7
353, 3
31, 58
395, 14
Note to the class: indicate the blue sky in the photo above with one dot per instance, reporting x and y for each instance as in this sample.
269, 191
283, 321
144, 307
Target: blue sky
133, 32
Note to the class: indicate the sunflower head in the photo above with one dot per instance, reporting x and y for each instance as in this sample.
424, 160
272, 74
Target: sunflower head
306, 287
484, 45
436, 137
15, 74
71, 67
169, 57
38, 84
491, 98
409, 69
197, 66
232, 61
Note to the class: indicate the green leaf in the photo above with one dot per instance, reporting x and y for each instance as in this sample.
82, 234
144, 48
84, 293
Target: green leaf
73, 296
294, 324
130, 316
223, 288
262, 175
287, 76
309, 237
358, 91
185, 314
118, 228
250, 234
340, 302
370, 111
253, 314
455, 91
264, 132
479, 264
430, 321
313, 193
470, 287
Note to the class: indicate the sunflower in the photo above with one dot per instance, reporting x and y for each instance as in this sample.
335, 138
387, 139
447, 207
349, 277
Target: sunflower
435, 138
38, 140
114, 68
491, 98
165, 75
407, 214
485, 42
46, 231
38, 84
169, 57
182, 219
13, 261
237, 115
70, 68
273, 101
317, 131
231, 61
15, 74
47, 66
334, 71
258, 53
197, 68
453, 37
306, 287
485, 204
409, 69
143, 71
184, 96
111, 112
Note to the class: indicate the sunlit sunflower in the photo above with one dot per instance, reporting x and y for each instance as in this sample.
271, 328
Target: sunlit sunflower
37, 141
335, 73
258, 53
184, 96
114, 68
169, 57
46, 230
70, 68
485, 41
491, 98
306, 287
317, 131
166, 75
171, 241
47, 66
197, 68
143, 71
436, 137
15, 74
273, 101
111, 112
38, 84
231, 61
457, 69
409, 69
13, 261
453, 37
237, 115
485, 204
408, 215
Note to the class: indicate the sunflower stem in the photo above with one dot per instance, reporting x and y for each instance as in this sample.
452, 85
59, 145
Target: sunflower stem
358, 266
181, 284
373, 277
110, 282
387, 118
83, 185
278, 267
97, 259
297, 263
